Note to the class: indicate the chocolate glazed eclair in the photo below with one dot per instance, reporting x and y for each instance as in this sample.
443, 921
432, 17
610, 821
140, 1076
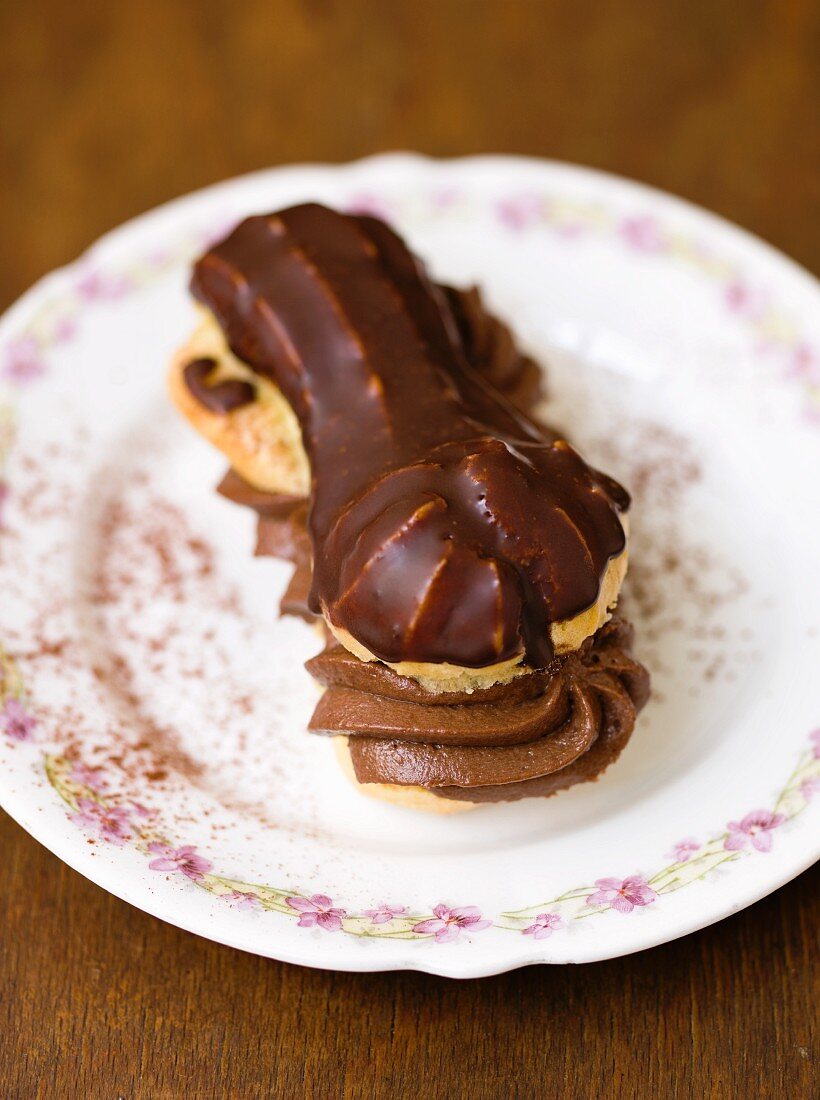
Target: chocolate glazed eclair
462, 557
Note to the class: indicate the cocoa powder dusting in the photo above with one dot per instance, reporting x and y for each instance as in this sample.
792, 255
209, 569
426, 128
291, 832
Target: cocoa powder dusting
146, 623
141, 616
676, 586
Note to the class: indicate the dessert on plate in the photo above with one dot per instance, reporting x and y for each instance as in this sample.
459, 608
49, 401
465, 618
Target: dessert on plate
461, 558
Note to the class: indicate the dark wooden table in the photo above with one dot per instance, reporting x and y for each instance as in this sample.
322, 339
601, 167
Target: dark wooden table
108, 109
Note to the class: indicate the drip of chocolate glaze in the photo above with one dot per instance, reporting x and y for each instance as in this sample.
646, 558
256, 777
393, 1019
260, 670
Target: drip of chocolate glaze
222, 397
445, 525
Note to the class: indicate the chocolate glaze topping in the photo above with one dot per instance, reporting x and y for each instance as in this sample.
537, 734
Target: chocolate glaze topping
222, 397
445, 525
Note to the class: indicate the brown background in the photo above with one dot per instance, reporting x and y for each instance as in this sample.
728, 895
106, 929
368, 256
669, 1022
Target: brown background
109, 108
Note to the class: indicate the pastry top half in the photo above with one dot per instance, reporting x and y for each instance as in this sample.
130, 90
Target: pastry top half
453, 537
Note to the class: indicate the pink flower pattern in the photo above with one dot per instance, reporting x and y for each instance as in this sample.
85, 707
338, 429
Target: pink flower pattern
622, 895
92, 778
745, 300
94, 286
4, 496
683, 851
112, 822
23, 360
521, 211
755, 829
642, 233
444, 197
810, 787
385, 913
242, 899
17, 723
804, 364
545, 924
64, 330
814, 737
317, 911
184, 860
447, 924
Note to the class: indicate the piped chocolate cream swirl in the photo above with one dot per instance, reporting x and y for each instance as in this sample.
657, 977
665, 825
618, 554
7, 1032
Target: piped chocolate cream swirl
445, 525
491, 751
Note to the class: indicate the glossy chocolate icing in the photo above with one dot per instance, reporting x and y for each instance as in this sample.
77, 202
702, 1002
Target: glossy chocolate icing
445, 525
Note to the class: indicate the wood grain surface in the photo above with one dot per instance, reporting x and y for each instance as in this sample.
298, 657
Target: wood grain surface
109, 108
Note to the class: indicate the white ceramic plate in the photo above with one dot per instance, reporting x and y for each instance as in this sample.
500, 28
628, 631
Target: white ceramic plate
154, 706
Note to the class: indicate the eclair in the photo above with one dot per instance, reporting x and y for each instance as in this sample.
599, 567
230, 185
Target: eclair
461, 557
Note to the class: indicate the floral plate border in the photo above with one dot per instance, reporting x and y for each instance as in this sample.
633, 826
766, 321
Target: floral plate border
119, 822
24, 359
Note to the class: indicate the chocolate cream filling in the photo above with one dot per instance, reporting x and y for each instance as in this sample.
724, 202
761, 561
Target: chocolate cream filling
588, 700
219, 397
